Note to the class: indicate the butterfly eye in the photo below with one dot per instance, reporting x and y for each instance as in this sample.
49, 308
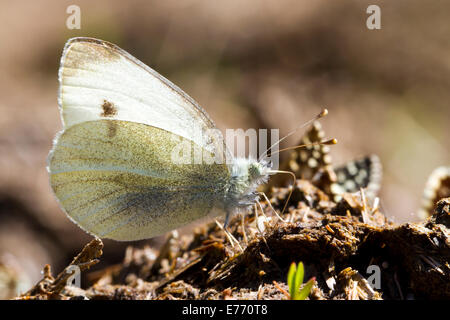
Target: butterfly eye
254, 171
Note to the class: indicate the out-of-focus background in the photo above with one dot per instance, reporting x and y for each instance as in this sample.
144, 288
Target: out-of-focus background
250, 64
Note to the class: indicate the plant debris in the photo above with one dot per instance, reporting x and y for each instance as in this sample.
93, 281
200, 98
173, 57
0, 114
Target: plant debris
351, 249
60, 287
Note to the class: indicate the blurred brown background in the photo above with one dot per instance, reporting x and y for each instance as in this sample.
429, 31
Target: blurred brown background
250, 64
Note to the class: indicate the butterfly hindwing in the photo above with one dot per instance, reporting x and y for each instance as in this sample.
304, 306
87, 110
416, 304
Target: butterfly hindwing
314, 163
117, 180
365, 173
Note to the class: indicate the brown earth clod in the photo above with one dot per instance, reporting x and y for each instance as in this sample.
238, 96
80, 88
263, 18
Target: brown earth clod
351, 249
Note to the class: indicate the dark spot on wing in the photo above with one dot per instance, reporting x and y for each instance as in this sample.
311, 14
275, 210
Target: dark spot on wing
109, 109
112, 128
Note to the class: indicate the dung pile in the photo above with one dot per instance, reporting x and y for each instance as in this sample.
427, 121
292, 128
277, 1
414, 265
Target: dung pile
351, 249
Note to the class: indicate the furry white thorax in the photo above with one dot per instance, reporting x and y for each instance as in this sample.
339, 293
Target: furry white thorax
246, 176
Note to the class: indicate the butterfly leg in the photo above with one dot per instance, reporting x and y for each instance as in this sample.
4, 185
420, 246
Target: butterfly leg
227, 220
244, 234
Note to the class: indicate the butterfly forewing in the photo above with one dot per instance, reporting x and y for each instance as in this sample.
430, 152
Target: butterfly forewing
98, 80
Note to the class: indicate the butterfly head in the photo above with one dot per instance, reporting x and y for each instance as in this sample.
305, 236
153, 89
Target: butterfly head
246, 176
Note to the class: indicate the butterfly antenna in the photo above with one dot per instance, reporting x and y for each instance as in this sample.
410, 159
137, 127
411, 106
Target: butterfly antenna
322, 114
324, 142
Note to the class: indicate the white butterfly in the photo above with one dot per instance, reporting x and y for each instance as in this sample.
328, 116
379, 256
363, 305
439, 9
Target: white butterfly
111, 167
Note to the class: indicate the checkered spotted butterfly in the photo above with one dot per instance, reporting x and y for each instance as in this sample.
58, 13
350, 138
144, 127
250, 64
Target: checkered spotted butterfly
313, 163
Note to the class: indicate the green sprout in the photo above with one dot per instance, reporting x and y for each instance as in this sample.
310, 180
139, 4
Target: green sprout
295, 280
